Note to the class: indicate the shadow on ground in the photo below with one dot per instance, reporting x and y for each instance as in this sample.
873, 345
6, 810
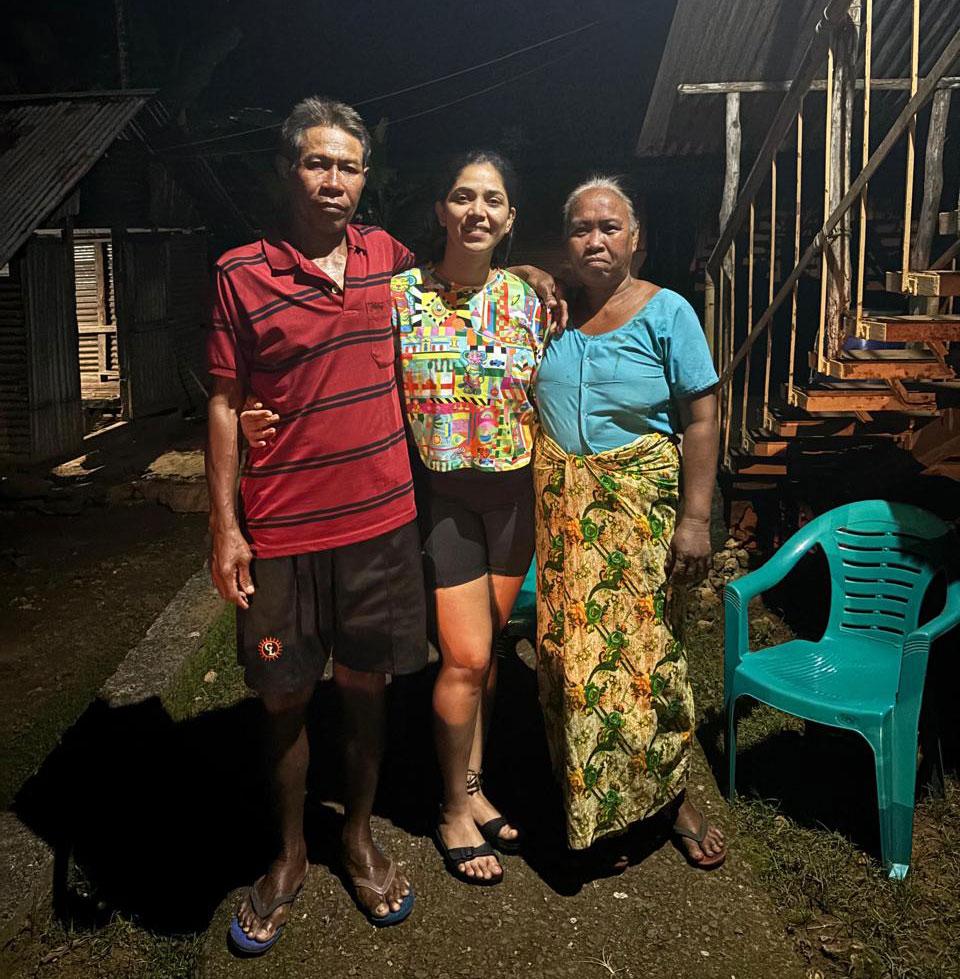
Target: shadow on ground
157, 820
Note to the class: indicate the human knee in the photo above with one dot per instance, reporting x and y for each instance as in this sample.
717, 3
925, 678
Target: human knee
472, 659
288, 702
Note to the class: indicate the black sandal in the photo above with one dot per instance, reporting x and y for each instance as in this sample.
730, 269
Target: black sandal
490, 830
454, 856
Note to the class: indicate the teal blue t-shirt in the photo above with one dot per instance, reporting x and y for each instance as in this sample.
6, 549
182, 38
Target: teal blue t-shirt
596, 393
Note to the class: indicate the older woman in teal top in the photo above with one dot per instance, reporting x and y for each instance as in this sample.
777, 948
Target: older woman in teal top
620, 535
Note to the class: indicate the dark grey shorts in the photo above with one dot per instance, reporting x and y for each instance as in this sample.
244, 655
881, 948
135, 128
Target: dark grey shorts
364, 603
475, 523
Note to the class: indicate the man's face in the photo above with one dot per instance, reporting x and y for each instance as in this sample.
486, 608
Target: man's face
327, 181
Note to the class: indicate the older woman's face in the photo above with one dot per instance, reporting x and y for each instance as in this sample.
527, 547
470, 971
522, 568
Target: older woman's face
600, 241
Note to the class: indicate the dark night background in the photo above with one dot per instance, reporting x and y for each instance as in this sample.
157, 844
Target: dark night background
226, 66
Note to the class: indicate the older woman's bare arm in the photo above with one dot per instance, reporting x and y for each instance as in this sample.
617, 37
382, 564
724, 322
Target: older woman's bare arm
689, 555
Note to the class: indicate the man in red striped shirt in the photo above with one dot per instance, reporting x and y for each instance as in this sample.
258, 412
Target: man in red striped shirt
325, 552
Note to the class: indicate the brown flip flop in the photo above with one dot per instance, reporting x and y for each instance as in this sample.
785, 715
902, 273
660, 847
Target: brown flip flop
698, 837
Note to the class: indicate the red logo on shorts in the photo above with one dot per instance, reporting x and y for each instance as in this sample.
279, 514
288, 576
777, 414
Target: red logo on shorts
270, 648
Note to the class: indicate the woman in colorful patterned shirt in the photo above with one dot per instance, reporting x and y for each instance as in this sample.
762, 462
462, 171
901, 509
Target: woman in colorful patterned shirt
469, 342
614, 392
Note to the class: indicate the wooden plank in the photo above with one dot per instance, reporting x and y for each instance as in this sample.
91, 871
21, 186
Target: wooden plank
851, 400
817, 85
917, 328
852, 367
949, 223
928, 283
762, 446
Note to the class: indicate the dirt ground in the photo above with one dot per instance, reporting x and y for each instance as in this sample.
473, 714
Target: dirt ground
77, 593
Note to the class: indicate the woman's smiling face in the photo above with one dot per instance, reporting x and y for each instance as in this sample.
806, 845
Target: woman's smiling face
600, 240
476, 212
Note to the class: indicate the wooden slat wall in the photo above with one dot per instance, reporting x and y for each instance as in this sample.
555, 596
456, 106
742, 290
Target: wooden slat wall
96, 319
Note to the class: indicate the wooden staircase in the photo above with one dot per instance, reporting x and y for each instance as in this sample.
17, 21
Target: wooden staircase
906, 393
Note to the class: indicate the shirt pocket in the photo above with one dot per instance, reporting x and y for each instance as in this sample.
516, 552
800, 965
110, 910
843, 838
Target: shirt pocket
384, 347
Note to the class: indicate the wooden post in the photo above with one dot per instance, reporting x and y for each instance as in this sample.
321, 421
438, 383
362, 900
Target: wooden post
865, 155
827, 143
731, 174
911, 140
731, 184
709, 314
773, 267
746, 371
791, 361
841, 136
932, 180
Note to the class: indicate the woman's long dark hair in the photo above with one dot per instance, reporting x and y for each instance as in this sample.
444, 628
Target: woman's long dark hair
435, 239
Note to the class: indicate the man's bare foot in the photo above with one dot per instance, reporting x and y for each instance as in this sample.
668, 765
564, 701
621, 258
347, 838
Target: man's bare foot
285, 876
704, 843
458, 828
362, 860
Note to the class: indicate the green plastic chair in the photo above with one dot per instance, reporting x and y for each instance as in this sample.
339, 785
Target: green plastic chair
867, 672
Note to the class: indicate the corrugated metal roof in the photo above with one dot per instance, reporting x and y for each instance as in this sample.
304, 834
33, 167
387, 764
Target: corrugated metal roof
764, 40
47, 143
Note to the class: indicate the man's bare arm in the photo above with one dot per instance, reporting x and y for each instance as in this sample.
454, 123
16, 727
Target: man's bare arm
230, 554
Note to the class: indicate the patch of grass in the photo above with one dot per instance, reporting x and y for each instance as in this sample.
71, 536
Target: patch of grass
843, 913
211, 679
119, 950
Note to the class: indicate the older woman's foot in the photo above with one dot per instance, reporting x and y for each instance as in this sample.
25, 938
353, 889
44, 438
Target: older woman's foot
702, 842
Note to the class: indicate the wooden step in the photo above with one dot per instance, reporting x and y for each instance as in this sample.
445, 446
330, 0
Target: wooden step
764, 446
746, 465
850, 400
950, 222
786, 426
895, 328
930, 283
861, 365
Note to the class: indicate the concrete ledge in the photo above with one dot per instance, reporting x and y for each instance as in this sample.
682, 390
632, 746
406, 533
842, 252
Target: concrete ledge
176, 635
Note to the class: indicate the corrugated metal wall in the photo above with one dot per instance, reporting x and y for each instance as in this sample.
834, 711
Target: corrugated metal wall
161, 280
14, 393
53, 369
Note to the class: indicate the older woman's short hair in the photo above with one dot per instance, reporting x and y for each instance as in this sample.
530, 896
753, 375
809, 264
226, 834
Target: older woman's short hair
319, 111
599, 182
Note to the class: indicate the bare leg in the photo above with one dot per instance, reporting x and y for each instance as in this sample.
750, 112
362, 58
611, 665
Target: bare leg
503, 593
363, 697
465, 625
290, 755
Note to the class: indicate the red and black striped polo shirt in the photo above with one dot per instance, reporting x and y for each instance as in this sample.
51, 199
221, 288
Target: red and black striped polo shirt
338, 471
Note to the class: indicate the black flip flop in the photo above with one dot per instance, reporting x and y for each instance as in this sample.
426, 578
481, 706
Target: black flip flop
490, 831
453, 856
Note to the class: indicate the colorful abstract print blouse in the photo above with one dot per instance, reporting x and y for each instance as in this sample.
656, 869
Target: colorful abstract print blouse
468, 359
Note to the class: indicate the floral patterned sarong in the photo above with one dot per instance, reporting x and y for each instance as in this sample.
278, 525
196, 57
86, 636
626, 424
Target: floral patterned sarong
612, 672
